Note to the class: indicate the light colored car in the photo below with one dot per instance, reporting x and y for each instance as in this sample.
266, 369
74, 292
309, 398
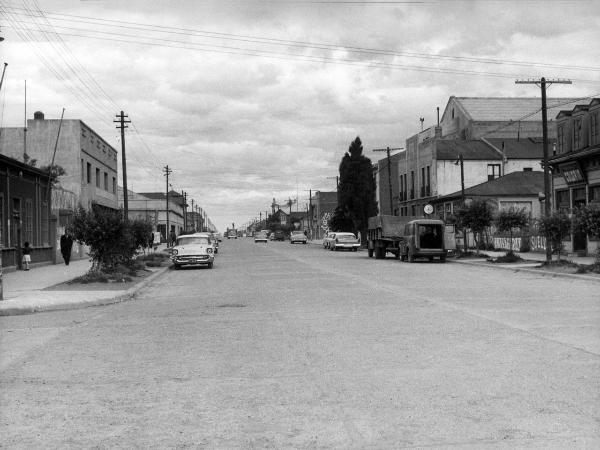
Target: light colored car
261, 236
297, 236
328, 238
193, 250
342, 241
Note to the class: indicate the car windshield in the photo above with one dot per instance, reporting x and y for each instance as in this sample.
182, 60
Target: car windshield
345, 237
192, 240
297, 233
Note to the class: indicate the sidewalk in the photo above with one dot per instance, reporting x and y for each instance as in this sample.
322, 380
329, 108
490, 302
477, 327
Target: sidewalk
24, 291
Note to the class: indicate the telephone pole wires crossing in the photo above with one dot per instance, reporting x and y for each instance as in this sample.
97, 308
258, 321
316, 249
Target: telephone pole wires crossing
543, 83
122, 121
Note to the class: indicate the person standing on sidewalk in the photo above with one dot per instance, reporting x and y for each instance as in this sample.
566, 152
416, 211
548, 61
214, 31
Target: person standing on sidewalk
66, 244
26, 255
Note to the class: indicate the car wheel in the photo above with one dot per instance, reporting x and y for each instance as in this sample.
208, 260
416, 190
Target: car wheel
443, 258
370, 252
210, 265
354, 249
176, 266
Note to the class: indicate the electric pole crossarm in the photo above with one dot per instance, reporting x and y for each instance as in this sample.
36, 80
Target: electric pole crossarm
122, 121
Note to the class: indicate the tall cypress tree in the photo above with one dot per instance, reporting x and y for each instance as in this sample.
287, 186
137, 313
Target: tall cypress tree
356, 190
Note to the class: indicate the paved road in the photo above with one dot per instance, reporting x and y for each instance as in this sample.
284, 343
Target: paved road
283, 346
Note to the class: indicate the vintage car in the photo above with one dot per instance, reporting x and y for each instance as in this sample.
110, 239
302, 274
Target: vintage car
328, 238
342, 241
261, 236
297, 236
193, 250
278, 235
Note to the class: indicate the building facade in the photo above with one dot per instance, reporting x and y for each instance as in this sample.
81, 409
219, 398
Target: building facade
575, 164
24, 213
322, 206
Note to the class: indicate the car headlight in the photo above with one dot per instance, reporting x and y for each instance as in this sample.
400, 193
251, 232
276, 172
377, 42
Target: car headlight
209, 250
174, 252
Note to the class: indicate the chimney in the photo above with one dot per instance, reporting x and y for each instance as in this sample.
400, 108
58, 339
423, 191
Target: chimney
38, 115
438, 129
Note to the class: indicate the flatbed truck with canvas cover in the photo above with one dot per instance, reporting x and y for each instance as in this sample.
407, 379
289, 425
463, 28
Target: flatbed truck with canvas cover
406, 239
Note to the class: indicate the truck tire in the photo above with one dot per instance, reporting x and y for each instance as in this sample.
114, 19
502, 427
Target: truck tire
411, 256
443, 258
370, 252
379, 252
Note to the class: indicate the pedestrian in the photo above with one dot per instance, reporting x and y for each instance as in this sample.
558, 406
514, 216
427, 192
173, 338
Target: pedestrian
26, 255
66, 244
173, 238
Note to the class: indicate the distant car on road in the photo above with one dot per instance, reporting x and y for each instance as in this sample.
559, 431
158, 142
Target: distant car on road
261, 236
193, 250
278, 235
341, 241
297, 236
328, 238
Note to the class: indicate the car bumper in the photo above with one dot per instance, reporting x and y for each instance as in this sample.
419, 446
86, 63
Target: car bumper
261, 240
350, 246
298, 240
201, 260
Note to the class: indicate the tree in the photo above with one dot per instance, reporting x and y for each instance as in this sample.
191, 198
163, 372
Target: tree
356, 189
108, 235
587, 219
555, 228
477, 216
509, 220
340, 221
141, 231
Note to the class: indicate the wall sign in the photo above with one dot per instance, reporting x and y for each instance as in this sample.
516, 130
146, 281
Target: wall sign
572, 173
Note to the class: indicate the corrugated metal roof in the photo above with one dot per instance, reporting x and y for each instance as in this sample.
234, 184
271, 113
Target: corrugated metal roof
504, 109
513, 184
474, 150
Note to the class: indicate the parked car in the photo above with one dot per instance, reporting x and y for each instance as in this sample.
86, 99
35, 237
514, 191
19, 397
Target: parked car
193, 250
297, 236
261, 236
328, 238
278, 235
341, 241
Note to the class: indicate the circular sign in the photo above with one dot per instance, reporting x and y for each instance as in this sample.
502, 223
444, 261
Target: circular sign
428, 209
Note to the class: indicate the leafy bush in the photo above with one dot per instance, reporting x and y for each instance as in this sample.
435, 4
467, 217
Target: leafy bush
476, 216
510, 220
112, 240
555, 228
587, 219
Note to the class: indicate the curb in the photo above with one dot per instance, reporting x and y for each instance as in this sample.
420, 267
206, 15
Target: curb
127, 295
533, 271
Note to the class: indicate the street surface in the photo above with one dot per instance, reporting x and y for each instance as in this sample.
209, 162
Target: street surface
292, 346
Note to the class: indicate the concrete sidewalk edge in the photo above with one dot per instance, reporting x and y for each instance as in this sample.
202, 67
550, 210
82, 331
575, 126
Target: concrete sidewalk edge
118, 298
528, 270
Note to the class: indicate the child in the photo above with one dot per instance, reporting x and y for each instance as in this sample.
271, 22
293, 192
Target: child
26, 255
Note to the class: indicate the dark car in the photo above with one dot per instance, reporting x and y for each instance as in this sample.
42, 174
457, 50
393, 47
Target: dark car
278, 235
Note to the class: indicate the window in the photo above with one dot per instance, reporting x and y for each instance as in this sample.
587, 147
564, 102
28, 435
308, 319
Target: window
114, 186
562, 201
493, 171
98, 178
105, 181
560, 139
82, 170
576, 134
89, 173
2, 233
28, 221
595, 194
412, 184
594, 127
422, 181
428, 185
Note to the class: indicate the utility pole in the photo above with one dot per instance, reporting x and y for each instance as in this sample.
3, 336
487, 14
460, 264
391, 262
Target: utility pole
543, 83
167, 172
389, 166
193, 217
184, 195
122, 127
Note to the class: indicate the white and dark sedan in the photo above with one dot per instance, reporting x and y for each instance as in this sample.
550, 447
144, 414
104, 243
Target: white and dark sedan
297, 236
341, 241
193, 250
261, 236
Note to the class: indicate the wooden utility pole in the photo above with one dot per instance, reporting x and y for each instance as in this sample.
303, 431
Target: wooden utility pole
122, 121
543, 83
167, 172
389, 167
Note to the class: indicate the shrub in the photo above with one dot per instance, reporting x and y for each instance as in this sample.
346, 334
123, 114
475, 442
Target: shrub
509, 220
587, 219
476, 216
555, 228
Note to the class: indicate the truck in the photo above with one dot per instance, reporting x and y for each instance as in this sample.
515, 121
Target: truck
407, 238
232, 233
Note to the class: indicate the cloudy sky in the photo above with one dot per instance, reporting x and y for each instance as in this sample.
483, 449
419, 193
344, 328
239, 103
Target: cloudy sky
250, 100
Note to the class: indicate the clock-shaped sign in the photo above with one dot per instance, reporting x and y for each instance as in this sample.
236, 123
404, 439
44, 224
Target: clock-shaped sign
428, 209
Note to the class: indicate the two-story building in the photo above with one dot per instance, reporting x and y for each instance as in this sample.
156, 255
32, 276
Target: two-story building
575, 163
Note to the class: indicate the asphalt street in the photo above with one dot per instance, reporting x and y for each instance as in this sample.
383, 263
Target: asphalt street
292, 346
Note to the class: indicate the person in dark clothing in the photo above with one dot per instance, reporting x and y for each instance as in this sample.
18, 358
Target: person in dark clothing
26, 255
66, 244
173, 238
